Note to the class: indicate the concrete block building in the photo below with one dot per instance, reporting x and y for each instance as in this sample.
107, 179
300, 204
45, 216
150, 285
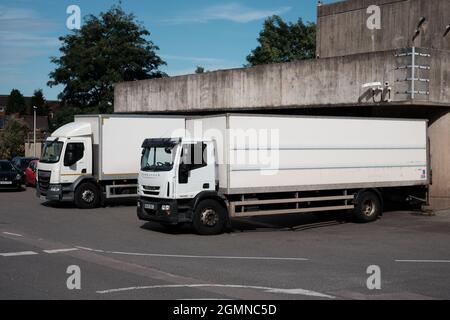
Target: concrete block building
400, 68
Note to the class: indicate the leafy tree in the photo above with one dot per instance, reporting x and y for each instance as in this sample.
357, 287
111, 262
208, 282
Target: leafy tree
12, 139
107, 49
65, 115
38, 100
200, 69
16, 103
282, 42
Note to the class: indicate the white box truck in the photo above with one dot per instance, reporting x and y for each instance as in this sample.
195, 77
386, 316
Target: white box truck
97, 157
238, 165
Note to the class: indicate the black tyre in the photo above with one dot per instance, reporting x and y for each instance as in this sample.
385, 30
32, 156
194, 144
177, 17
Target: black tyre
209, 218
367, 207
87, 196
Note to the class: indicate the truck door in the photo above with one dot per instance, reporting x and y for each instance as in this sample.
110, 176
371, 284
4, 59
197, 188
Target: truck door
77, 160
196, 172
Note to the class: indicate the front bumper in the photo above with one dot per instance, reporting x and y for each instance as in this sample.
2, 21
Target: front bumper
149, 209
55, 192
15, 184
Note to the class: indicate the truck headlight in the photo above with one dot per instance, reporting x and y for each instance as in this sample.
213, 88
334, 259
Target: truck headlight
165, 207
55, 188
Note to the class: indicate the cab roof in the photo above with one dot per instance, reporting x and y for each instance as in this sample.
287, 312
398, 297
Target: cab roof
73, 129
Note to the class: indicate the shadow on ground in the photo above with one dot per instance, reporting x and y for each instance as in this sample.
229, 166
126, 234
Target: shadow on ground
12, 190
109, 203
287, 222
290, 222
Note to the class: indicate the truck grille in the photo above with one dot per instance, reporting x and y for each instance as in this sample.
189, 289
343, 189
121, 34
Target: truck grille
151, 190
44, 180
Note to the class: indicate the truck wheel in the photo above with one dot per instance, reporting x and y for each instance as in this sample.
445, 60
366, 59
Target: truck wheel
87, 196
209, 218
367, 207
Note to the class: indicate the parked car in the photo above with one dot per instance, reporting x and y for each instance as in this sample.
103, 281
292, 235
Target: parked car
22, 163
30, 173
10, 178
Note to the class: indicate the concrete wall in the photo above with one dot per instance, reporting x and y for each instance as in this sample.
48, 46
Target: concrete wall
342, 26
439, 133
312, 83
29, 149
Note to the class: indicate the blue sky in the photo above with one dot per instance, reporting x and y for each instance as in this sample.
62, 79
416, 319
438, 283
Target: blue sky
213, 34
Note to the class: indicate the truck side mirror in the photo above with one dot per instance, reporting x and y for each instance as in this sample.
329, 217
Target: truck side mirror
183, 173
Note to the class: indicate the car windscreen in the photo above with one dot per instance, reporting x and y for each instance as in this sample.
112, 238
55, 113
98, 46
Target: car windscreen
159, 158
6, 166
51, 151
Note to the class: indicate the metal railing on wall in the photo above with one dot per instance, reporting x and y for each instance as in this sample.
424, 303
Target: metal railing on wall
416, 64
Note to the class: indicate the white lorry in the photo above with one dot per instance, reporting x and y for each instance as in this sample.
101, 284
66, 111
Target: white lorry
96, 157
232, 166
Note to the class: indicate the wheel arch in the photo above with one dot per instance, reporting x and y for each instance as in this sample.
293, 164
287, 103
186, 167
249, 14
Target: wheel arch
212, 195
85, 179
204, 195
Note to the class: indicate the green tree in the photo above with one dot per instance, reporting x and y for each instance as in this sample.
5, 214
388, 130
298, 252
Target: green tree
12, 139
16, 103
107, 49
282, 42
38, 100
200, 69
65, 115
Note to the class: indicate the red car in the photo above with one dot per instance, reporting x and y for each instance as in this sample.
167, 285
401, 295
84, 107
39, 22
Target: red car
30, 173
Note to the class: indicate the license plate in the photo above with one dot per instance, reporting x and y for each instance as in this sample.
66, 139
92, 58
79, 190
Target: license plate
149, 206
5, 182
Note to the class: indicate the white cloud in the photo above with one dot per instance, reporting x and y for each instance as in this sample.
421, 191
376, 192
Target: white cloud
191, 70
23, 36
231, 12
192, 59
21, 39
13, 19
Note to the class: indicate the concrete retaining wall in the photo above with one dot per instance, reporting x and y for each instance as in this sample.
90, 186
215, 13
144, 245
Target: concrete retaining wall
342, 26
313, 83
439, 133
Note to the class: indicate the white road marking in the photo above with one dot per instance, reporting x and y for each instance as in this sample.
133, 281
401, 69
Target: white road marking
60, 250
192, 256
424, 261
14, 254
266, 289
205, 299
205, 257
89, 249
13, 234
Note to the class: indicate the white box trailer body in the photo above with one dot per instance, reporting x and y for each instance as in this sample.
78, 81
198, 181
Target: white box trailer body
97, 157
255, 165
117, 141
314, 153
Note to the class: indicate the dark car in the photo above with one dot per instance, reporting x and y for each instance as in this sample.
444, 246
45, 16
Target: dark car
10, 178
21, 163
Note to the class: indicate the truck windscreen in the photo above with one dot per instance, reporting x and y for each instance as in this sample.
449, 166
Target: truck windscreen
51, 151
158, 158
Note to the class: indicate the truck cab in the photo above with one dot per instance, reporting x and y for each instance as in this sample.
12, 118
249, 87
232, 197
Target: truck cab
66, 159
176, 174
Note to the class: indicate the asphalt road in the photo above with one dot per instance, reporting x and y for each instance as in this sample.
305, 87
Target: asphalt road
293, 257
